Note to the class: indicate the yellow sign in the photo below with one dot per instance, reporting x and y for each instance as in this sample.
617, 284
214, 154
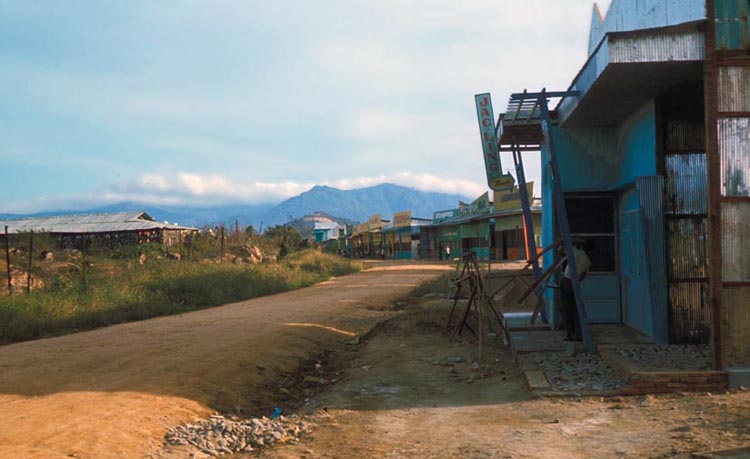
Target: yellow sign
401, 219
375, 222
511, 199
361, 228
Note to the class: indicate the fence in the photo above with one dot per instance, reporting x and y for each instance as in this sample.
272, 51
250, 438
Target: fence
44, 261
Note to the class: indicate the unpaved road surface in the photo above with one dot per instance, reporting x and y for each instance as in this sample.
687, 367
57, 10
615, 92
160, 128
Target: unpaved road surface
402, 396
113, 392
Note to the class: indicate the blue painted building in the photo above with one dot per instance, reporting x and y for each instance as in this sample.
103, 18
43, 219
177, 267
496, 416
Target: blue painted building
654, 157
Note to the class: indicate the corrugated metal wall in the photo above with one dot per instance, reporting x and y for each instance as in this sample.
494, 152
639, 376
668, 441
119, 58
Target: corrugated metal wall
731, 193
651, 192
685, 195
732, 24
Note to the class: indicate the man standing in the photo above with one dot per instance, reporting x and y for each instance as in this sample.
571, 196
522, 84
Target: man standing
567, 298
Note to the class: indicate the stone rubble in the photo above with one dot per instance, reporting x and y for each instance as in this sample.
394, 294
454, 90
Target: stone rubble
670, 357
219, 435
578, 373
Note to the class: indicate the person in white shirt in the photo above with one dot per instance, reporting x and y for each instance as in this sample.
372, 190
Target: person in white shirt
567, 298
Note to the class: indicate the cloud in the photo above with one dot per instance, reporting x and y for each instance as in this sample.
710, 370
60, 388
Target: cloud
194, 189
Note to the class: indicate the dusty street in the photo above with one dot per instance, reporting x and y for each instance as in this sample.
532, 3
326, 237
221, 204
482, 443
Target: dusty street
113, 392
409, 393
400, 391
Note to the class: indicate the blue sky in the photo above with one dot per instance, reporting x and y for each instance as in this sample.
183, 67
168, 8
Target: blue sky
223, 102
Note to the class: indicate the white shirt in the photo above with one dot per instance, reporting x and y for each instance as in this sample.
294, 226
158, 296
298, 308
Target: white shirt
583, 263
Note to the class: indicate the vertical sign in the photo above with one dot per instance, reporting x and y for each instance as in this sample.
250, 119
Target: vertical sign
495, 178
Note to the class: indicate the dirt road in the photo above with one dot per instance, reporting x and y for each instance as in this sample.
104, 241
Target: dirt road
407, 392
113, 392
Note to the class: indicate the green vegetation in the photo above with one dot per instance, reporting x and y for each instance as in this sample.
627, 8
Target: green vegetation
118, 289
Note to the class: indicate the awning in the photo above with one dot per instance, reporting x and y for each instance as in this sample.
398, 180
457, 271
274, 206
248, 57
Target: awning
628, 69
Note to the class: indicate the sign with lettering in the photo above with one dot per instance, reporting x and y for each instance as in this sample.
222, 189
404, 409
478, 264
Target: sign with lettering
443, 215
511, 199
401, 219
492, 164
478, 206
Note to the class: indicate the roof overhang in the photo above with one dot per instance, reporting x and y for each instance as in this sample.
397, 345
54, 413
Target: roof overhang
629, 68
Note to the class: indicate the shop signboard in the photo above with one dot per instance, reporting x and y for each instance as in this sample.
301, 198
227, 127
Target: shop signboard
361, 228
478, 206
375, 222
450, 234
443, 215
402, 219
495, 177
511, 199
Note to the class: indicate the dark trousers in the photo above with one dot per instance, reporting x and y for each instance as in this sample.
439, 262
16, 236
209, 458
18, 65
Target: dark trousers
569, 308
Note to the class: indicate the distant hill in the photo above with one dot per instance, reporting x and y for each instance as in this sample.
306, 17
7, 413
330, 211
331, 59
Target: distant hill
359, 204
344, 206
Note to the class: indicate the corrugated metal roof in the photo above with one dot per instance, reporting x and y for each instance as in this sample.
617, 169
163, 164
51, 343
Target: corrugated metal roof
88, 223
657, 46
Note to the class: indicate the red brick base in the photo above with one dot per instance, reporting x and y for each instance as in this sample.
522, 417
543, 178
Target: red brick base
656, 382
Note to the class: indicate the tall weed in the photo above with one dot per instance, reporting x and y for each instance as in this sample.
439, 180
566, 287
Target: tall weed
119, 291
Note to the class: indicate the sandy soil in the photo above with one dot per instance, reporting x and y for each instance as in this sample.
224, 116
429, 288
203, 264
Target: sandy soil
401, 398
113, 392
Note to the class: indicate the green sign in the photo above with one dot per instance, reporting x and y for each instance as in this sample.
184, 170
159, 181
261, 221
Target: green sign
443, 215
495, 178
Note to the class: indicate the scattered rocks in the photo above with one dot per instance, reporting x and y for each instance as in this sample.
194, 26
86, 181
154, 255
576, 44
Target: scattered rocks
582, 372
219, 435
670, 357
46, 255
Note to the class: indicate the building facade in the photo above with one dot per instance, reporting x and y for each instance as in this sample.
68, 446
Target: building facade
654, 159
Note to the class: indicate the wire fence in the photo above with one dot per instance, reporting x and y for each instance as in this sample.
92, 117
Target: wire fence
42, 261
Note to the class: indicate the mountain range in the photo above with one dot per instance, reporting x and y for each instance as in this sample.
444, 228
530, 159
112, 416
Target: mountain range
353, 205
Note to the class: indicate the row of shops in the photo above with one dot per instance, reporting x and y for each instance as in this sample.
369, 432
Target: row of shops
491, 230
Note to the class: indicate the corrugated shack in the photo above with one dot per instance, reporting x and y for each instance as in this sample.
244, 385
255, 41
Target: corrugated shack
107, 229
654, 156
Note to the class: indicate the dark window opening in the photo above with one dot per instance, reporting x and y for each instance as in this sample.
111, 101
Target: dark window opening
592, 218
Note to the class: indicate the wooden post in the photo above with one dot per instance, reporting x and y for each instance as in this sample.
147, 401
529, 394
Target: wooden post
31, 251
222, 243
7, 261
83, 264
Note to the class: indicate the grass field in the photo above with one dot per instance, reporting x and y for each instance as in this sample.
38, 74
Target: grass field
119, 291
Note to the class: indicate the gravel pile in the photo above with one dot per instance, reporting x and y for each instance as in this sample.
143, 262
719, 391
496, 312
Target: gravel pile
578, 373
218, 435
670, 357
